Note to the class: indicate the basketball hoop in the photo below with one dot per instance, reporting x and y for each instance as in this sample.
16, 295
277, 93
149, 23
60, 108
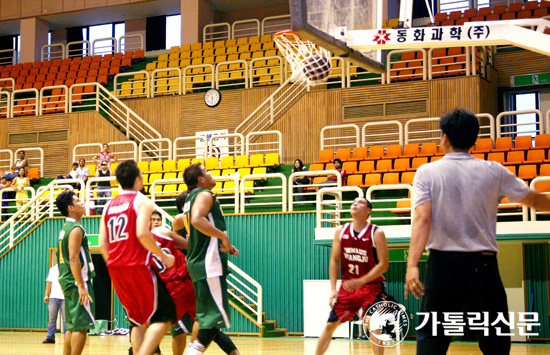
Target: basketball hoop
310, 63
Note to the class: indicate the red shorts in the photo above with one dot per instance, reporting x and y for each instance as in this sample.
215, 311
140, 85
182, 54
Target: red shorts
183, 294
136, 288
348, 303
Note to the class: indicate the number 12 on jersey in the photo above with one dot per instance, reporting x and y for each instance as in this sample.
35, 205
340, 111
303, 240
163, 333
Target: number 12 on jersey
117, 228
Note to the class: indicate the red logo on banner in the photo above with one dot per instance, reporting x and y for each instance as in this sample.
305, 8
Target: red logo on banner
381, 37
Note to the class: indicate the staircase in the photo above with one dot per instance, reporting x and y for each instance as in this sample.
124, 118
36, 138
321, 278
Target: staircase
272, 108
268, 328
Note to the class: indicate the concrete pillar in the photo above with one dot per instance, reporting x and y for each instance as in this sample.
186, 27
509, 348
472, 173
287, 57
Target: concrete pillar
134, 27
195, 14
34, 35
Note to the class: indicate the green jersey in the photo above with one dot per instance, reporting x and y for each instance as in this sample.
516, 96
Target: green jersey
65, 275
204, 258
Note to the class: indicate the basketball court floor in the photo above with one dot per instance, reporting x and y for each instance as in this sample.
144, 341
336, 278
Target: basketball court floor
16, 343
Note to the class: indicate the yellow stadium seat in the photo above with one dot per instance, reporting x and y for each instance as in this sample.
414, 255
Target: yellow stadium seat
183, 163
215, 172
169, 166
207, 45
143, 166
212, 163
196, 46
173, 175
146, 179
174, 49
217, 189
228, 172
256, 160
154, 177
244, 171
198, 160
241, 161
272, 159
91, 167
185, 48
227, 162
113, 168
257, 171
155, 166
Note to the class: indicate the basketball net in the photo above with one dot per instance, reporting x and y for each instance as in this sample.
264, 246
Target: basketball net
310, 64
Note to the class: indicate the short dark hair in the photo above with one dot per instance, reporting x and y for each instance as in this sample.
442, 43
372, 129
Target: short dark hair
191, 176
461, 127
75, 163
369, 205
126, 173
63, 201
157, 213
180, 201
338, 160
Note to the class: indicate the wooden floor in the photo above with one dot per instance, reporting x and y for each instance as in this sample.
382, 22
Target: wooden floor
31, 343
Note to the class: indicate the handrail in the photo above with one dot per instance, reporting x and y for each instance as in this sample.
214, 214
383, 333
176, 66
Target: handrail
4, 60
274, 24
79, 52
5, 103
25, 108
340, 139
279, 143
10, 159
235, 80
258, 302
512, 128
533, 212
237, 148
121, 91
154, 149
247, 28
89, 200
112, 48
12, 81
48, 53
129, 122
233, 191
399, 133
272, 108
8, 189
215, 34
252, 177
204, 74
133, 152
372, 189
62, 98
334, 214
195, 149
389, 68
165, 88
123, 42
314, 173
265, 71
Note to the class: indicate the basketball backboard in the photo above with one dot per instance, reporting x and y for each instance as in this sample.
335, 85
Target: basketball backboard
326, 23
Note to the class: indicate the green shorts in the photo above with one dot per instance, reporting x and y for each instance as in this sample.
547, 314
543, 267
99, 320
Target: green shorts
78, 318
183, 326
212, 303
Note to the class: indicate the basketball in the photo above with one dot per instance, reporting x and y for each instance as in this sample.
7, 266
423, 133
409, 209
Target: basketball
317, 68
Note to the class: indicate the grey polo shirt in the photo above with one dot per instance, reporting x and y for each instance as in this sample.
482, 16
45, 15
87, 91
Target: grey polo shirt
465, 193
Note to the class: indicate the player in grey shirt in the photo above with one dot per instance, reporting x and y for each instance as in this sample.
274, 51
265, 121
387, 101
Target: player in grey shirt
455, 205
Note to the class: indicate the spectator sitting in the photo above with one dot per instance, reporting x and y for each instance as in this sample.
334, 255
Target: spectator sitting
73, 174
299, 180
105, 155
82, 172
19, 163
332, 180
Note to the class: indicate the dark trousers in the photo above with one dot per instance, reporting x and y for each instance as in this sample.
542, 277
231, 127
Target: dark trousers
458, 282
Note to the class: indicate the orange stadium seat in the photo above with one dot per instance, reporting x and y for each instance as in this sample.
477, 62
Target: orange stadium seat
359, 153
523, 143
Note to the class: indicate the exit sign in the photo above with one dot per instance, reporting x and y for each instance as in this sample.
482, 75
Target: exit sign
530, 79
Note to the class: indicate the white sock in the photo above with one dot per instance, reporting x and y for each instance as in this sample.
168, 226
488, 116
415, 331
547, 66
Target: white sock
195, 348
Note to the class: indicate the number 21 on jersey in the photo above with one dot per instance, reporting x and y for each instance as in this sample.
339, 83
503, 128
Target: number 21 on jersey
353, 269
117, 228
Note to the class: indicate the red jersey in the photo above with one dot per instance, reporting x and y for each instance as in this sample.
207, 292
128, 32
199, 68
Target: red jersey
358, 252
177, 279
120, 217
172, 276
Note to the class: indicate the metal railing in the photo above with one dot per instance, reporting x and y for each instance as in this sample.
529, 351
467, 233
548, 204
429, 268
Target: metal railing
52, 51
190, 148
166, 82
411, 67
35, 158
274, 24
312, 188
155, 149
236, 148
125, 90
82, 49
232, 74
227, 191
370, 195
392, 133
330, 205
344, 135
262, 143
5, 200
250, 192
5, 102
100, 46
512, 127
132, 42
245, 28
123, 150
94, 202
216, 32
8, 56
6, 159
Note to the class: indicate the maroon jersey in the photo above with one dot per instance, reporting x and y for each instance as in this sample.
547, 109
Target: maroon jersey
120, 218
358, 252
173, 276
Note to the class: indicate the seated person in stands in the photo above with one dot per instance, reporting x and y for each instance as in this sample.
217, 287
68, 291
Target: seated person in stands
338, 167
299, 180
82, 172
105, 155
21, 162
73, 174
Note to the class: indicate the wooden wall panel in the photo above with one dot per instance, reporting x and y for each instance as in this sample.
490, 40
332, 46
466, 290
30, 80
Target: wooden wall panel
385, 93
31, 8
58, 155
73, 5
89, 4
519, 62
448, 94
10, 9
488, 95
52, 6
